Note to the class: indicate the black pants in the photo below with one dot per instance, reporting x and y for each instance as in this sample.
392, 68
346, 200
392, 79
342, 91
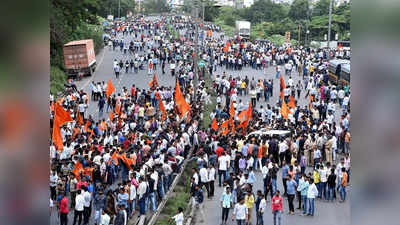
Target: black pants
211, 184
53, 193
63, 218
205, 184
284, 185
78, 215
299, 198
86, 214
73, 194
290, 200
225, 214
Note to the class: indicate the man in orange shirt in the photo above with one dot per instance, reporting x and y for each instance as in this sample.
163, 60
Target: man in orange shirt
343, 184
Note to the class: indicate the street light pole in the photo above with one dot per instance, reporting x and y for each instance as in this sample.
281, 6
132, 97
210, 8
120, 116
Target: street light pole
119, 9
329, 26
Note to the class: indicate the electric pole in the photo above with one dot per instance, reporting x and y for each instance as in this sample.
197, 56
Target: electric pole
196, 45
329, 27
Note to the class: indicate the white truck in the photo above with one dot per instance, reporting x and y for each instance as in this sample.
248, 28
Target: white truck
243, 29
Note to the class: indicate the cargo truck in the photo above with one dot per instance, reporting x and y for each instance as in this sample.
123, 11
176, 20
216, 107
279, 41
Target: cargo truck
79, 58
243, 29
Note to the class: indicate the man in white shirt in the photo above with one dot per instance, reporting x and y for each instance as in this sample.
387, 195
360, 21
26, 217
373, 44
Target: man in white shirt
179, 217
223, 165
311, 194
105, 218
204, 179
211, 180
240, 212
87, 196
132, 199
79, 207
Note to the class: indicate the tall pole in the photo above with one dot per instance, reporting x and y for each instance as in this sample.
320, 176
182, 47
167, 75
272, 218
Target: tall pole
329, 27
203, 10
196, 45
119, 9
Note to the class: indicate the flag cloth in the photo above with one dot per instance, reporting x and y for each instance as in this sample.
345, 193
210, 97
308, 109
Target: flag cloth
56, 137
114, 158
311, 101
86, 128
224, 128
232, 125
214, 124
125, 160
111, 116
232, 110
154, 81
285, 110
242, 116
180, 101
292, 104
118, 109
226, 48
61, 116
283, 86
78, 168
110, 88
79, 119
248, 116
164, 112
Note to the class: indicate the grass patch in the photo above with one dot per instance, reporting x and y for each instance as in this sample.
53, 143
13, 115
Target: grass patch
210, 107
179, 198
57, 80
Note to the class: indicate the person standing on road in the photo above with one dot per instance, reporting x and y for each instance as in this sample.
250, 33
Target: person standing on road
63, 209
200, 201
249, 201
277, 208
291, 186
101, 104
226, 204
79, 202
312, 192
240, 213
261, 209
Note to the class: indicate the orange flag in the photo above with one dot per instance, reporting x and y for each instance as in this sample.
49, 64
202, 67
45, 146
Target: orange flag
154, 81
164, 112
224, 127
232, 110
111, 116
214, 124
232, 125
311, 101
180, 101
110, 88
209, 33
77, 170
79, 119
125, 160
242, 115
61, 116
114, 158
248, 116
285, 110
118, 109
86, 127
283, 86
292, 104
56, 137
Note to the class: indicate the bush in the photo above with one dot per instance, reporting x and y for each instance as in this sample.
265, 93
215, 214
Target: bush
57, 80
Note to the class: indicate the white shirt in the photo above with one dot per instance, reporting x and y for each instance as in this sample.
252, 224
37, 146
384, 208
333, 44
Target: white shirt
132, 192
323, 174
105, 219
240, 211
223, 162
87, 197
264, 171
283, 147
312, 191
263, 205
79, 202
211, 174
196, 178
203, 175
178, 219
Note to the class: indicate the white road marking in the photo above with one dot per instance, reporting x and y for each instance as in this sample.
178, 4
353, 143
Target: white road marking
93, 75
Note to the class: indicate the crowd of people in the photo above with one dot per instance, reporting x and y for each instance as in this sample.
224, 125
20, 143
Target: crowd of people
122, 161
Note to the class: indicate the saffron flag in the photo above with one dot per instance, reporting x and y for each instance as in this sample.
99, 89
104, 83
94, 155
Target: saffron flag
232, 125
79, 119
118, 109
283, 86
111, 116
114, 158
125, 160
284, 110
214, 124
248, 116
291, 103
232, 110
164, 112
56, 137
180, 101
78, 168
61, 116
224, 128
242, 116
110, 88
86, 128
311, 101
154, 81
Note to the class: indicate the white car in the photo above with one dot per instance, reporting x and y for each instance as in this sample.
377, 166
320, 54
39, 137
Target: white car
264, 131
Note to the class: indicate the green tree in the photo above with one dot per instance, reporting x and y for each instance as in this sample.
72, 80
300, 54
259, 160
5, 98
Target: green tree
321, 8
299, 10
110, 7
156, 6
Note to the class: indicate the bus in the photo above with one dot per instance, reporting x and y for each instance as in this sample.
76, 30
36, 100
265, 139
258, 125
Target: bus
339, 71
